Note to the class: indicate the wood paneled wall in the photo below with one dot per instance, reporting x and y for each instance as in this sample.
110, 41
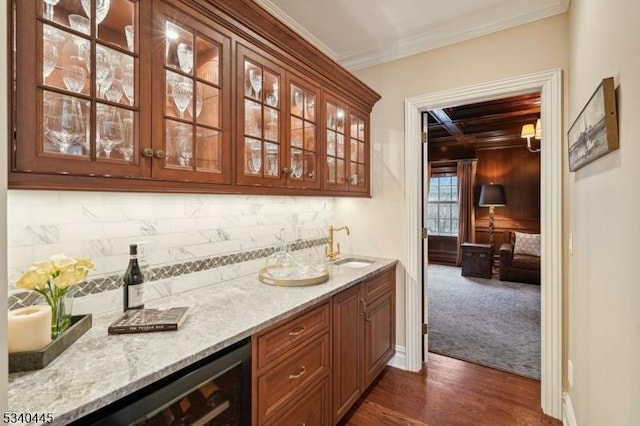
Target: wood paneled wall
518, 171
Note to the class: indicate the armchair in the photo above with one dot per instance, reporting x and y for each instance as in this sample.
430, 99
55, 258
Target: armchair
520, 260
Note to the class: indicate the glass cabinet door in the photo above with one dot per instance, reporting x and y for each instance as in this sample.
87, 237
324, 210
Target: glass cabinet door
85, 74
260, 153
358, 153
191, 99
302, 149
336, 158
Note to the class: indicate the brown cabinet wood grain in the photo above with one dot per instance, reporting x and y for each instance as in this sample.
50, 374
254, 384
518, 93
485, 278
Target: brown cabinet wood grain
363, 337
216, 101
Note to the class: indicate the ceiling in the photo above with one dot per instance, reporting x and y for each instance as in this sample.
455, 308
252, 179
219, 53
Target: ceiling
458, 132
361, 33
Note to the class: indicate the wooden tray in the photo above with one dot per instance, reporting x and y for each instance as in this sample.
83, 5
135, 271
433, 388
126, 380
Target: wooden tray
264, 277
36, 360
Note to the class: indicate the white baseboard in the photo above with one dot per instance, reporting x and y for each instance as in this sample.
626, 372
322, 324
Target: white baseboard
399, 360
568, 417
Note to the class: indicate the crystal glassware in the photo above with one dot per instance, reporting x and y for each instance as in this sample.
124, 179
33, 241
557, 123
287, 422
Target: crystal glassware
272, 161
74, 77
182, 93
185, 149
255, 79
102, 9
296, 165
115, 90
49, 5
104, 71
254, 162
128, 82
199, 99
126, 149
64, 122
80, 23
129, 34
185, 57
110, 129
49, 58
298, 100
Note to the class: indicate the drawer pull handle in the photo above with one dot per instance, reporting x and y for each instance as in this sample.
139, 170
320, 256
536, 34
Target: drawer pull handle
364, 307
297, 376
297, 332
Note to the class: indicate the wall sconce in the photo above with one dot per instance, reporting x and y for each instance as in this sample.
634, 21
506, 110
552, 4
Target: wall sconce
529, 131
492, 196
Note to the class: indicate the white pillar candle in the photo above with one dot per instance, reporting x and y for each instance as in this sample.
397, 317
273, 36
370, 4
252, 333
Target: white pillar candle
29, 328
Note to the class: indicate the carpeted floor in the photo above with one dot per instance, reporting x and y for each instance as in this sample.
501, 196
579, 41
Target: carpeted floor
489, 322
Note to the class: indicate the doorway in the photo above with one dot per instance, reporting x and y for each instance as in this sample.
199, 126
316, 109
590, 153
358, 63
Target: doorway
478, 311
548, 83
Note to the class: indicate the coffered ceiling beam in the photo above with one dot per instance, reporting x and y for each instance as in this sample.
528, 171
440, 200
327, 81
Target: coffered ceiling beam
451, 127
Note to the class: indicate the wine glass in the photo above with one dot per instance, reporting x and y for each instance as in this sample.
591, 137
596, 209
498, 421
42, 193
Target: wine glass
49, 58
102, 8
128, 82
115, 90
185, 57
255, 79
64, 122
74, 77
296, 165
80, 23
199, 98
127, 148
298, 100
49, 5
182, 93
255, 157
110, 129
272, 161
185, 149
104, 73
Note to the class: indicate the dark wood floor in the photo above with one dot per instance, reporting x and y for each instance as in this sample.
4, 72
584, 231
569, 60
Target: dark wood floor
450, 392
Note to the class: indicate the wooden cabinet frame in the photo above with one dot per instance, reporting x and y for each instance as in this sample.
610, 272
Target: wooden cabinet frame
232, 23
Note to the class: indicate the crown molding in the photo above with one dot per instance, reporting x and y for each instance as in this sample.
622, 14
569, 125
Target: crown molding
295, 26
424, 39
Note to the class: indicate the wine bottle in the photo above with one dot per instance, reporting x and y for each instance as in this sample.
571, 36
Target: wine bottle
132, 282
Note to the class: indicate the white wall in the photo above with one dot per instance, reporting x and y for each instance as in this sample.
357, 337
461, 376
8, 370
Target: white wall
604, 217
377, 224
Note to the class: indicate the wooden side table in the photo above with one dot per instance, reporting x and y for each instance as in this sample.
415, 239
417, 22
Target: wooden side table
476, 260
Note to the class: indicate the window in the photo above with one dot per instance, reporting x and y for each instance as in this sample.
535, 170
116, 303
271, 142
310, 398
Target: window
442, 214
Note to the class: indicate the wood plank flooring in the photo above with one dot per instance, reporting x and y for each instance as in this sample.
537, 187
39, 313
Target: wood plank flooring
450, 392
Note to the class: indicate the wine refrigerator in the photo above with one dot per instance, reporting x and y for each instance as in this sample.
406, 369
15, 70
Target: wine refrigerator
215, 391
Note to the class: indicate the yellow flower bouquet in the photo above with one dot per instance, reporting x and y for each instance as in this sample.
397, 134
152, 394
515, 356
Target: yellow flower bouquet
52, 279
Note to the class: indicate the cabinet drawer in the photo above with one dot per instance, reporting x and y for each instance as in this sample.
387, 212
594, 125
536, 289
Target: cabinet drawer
375, 287
311, 410
276, 342
281, 384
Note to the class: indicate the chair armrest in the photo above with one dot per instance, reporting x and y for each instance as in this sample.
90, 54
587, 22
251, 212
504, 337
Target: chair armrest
506, 254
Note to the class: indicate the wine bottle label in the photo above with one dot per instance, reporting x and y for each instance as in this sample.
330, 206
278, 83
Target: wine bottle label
135, 295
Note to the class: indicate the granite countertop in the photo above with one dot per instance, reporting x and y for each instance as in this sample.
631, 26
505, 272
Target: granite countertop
99, 368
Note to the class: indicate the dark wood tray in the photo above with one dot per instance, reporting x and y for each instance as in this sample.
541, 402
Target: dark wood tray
36, 360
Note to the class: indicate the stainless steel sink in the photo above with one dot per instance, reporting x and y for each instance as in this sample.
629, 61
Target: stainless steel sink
353, 262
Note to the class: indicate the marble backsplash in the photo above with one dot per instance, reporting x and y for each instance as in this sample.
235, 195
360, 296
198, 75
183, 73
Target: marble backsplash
189, 240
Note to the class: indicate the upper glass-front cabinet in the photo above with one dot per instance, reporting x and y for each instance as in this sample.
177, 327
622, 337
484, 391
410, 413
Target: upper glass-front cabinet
83, 81
191, 98
347, 147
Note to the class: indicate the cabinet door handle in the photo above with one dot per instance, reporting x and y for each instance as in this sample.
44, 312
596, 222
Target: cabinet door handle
159, 154
147, 152
297, 332
364, 307
298, 375
286, 171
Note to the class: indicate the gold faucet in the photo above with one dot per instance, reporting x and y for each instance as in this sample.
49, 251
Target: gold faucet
333, 255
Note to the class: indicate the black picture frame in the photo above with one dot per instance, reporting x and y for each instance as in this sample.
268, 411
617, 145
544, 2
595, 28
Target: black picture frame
594, 133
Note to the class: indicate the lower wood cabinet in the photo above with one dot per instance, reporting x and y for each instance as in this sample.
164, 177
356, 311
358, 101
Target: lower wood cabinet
310, 369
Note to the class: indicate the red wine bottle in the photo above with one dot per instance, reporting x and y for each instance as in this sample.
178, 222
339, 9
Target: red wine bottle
132, 282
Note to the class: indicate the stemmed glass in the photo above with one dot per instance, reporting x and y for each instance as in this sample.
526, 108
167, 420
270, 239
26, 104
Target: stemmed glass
49, 5
185, 149
74, 77
182, 93
128, 83
114, 92
102, 8
49, 59
298, 99
64, 122
199, 98
255, 79
255, 157
127, 149
110, 129
272, 161
104, 71
185, 57
296, 165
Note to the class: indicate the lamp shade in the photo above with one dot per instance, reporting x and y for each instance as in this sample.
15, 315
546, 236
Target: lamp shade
492, 195
528, 131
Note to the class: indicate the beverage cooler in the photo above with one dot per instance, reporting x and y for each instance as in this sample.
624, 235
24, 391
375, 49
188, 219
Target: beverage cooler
215, 391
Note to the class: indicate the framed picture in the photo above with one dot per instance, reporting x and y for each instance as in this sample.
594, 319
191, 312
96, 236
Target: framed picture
595, 131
